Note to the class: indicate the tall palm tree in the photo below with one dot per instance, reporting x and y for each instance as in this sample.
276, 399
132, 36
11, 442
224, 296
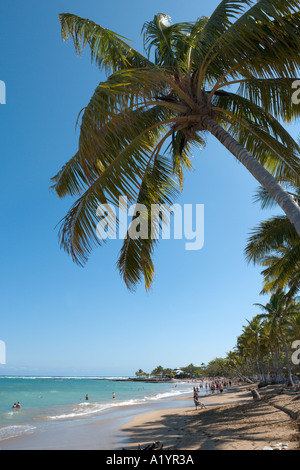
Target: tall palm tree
234, 363
278, 311
229, 75
246, 351
255, 331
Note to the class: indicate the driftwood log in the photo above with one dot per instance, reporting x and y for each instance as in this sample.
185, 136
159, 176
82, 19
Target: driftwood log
256, 396
155, 446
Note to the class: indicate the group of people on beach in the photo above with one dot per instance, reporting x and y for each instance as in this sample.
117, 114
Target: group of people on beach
217, 385
214, 385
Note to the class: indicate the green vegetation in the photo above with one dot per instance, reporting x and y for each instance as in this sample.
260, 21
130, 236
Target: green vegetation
141, 373
264, 349
168, 98
229, 75
275, 245
214, 368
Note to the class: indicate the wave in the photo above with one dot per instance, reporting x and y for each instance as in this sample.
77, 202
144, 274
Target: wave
170, 394
14, 431
88, 409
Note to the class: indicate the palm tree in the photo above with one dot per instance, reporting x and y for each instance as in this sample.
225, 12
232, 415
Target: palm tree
229, 75
255, 330
248, 351
234, 363
278, 311
275, 245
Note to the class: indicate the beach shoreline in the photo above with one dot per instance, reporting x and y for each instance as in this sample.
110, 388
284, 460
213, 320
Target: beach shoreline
232, 421
100, 432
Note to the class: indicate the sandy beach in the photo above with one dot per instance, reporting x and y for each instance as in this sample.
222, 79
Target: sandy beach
232, 421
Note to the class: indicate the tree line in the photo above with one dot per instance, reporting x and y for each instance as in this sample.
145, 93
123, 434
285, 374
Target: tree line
188, 371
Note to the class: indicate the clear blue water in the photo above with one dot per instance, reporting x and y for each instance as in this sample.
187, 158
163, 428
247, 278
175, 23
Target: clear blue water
64, 398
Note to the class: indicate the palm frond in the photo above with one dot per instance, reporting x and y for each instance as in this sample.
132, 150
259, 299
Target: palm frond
266, 201
70, 180
170, 41
274, 95
262, 42
123, 168
136, 256
282, 270
269, 236
109, 50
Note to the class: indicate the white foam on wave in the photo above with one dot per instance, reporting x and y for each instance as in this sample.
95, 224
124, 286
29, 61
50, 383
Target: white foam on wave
15, 430
87, 409
171, 394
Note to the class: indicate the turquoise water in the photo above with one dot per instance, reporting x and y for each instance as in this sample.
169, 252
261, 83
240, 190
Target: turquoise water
45, 399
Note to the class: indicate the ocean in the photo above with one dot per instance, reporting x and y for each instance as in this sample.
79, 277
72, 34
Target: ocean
60, 399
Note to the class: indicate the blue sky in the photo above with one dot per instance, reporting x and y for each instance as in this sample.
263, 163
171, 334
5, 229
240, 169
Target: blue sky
58, 318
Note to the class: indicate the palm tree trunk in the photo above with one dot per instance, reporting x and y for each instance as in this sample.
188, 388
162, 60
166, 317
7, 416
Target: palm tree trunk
261, 362
279, 375
258, 371
283, 199
290, 381
252, 367
240, 375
